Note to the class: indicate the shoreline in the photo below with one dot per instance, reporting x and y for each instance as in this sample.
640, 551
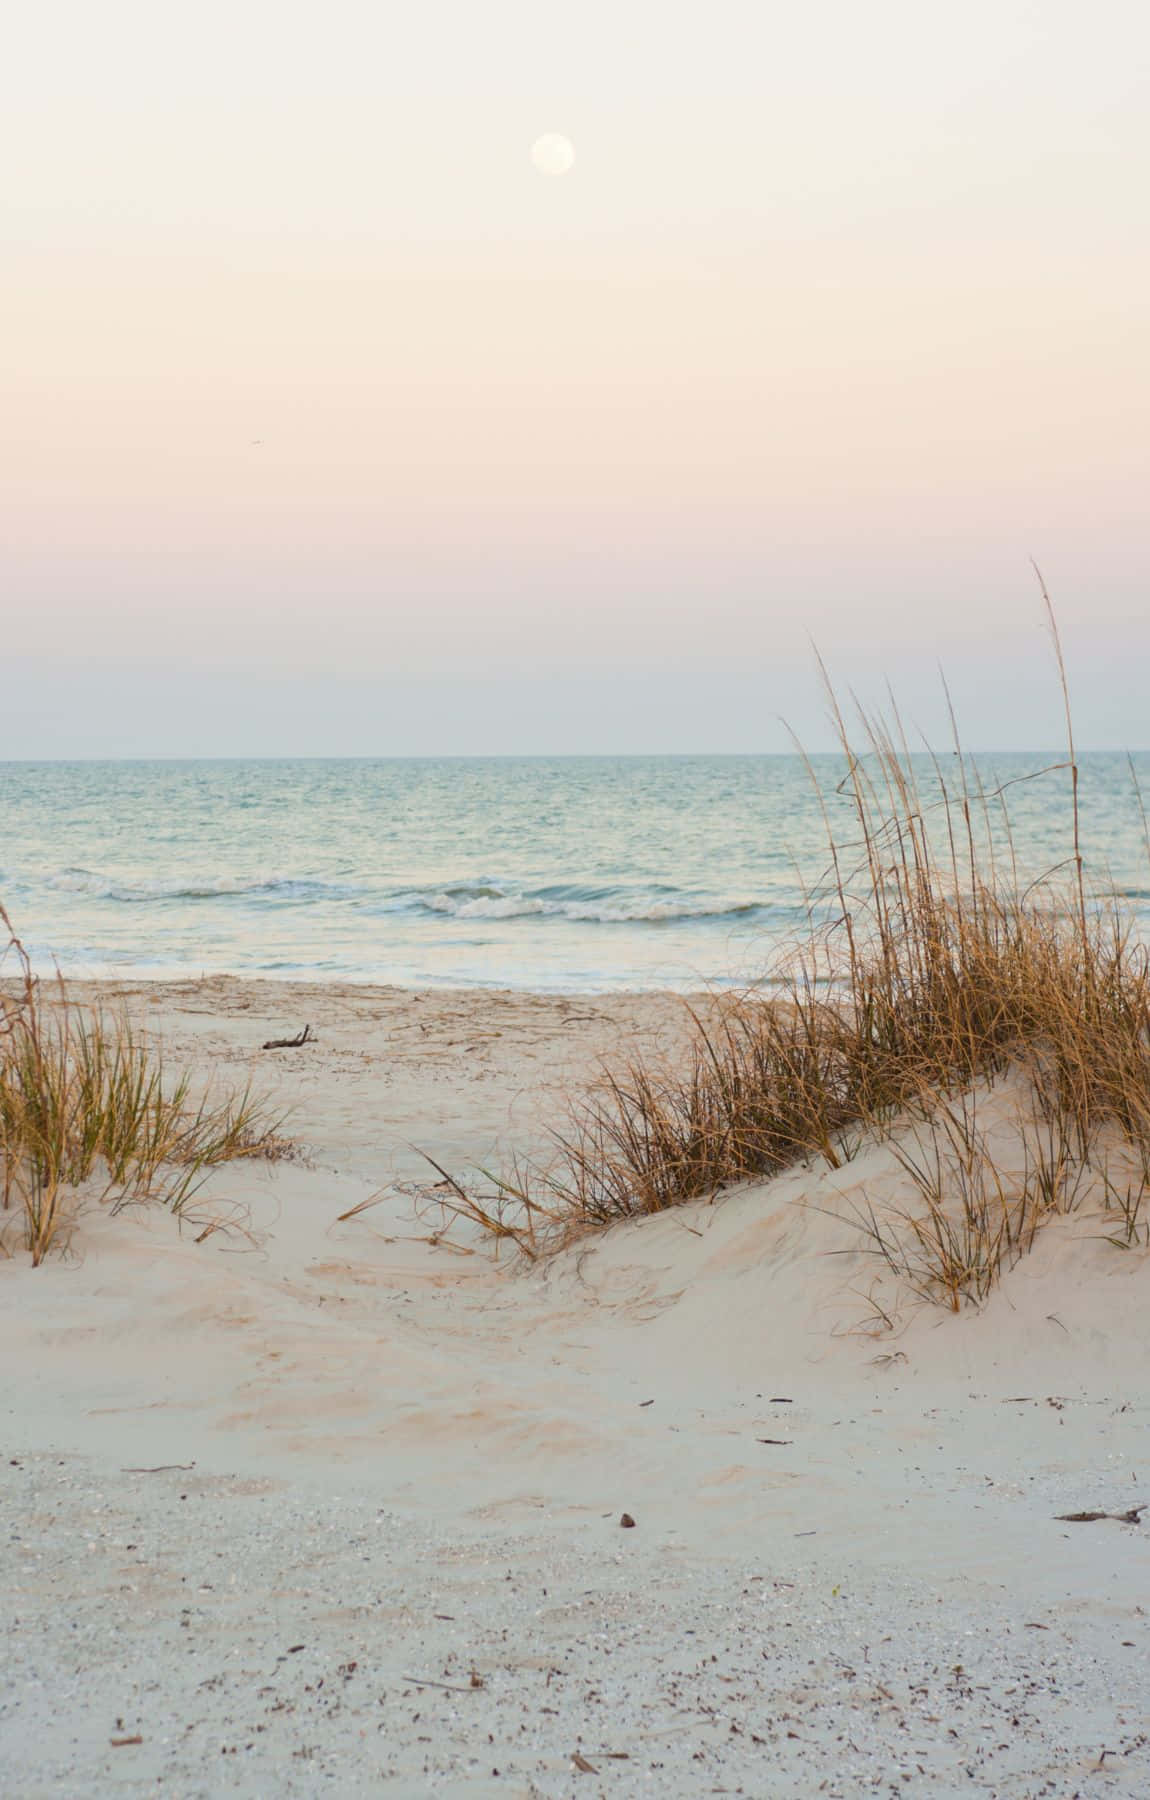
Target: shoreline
345, 984
275, 1425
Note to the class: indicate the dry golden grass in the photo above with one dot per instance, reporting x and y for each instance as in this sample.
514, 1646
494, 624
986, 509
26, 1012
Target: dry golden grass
82, 1098
941, 971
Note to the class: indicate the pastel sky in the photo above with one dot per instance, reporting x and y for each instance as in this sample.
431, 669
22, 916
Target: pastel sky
330, 425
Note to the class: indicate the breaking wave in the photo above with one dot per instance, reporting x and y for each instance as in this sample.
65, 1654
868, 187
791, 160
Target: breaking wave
610, 908
466, 900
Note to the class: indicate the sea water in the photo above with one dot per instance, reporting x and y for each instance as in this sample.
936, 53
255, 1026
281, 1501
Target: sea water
560, 874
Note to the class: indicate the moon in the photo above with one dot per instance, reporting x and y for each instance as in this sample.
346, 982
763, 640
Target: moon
553, 154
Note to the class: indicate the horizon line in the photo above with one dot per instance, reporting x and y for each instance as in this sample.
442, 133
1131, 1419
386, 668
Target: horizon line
1061, 752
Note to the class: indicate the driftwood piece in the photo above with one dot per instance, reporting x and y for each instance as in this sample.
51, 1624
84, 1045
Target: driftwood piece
1132, 1517
304, 1037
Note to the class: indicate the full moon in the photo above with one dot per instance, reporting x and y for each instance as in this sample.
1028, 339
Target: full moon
552, 154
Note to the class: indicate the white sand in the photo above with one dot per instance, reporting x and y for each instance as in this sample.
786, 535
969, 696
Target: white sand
411, 1461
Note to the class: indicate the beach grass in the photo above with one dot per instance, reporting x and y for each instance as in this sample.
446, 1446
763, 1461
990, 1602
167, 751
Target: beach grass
85, 1099
934, 978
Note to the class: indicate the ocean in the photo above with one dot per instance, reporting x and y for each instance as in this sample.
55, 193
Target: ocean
569, 874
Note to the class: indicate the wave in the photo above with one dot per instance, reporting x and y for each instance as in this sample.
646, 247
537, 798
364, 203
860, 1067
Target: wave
208, 887
485, 898
636, 910
484, 906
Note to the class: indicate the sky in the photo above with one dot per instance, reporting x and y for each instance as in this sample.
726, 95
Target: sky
330, 425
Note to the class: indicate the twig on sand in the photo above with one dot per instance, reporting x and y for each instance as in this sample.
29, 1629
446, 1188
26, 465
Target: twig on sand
1133, 1516
292, 1043
159, 1469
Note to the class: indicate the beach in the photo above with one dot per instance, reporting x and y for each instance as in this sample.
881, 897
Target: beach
575, 903
302, 1503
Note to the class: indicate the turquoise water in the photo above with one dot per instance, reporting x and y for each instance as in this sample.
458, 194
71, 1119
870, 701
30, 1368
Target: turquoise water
562, 874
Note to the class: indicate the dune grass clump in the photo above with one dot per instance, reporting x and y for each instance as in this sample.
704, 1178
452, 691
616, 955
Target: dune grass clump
936, 969
83, 1098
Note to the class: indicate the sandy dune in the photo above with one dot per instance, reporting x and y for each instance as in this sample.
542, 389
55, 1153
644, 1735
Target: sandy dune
846, 1575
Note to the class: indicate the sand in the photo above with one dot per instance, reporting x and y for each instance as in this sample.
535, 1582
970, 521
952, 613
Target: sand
303, 1507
